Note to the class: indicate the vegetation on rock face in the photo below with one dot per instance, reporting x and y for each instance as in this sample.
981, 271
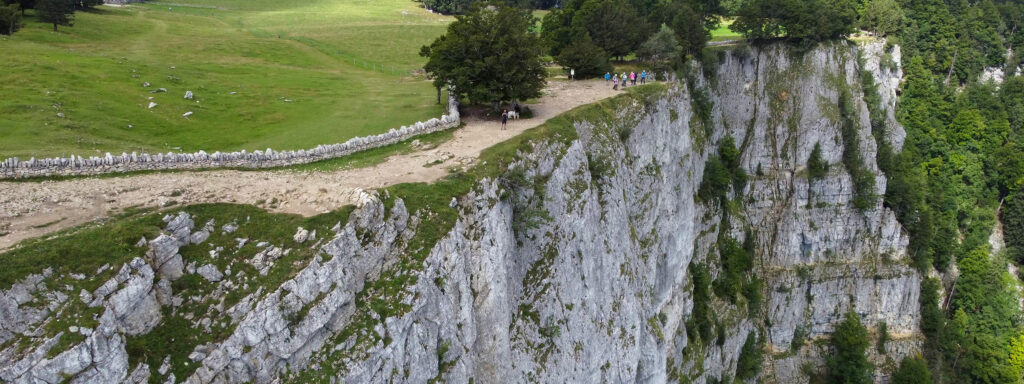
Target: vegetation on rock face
912, 370
748, 365
816, 166
489, 56
849, 362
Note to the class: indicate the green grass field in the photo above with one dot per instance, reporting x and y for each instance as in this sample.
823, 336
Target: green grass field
264, 73
724, 33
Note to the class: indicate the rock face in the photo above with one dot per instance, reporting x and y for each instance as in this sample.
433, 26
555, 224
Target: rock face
576, 264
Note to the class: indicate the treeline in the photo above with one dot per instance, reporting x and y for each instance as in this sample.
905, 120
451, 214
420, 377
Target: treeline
452, 7
56, 12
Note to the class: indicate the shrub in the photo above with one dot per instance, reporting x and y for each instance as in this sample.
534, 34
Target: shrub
883, 337
816, 166
912, 370
849, 364
749, 363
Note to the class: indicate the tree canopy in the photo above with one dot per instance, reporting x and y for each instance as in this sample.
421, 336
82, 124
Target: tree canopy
488, 55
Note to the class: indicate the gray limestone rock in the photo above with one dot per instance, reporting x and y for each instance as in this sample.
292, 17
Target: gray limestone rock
210, 273
301, 235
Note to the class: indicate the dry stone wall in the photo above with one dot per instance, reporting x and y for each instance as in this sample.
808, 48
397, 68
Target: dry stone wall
14, 168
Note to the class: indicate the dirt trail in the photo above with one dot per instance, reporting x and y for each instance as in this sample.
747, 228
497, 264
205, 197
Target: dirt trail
29, 210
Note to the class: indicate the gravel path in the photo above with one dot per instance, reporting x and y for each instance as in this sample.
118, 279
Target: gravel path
29, 210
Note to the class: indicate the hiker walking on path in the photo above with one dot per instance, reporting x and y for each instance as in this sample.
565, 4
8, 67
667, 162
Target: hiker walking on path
632, 78
615, 80
623, 77
607, 77
572, 74
504, 119
643, 77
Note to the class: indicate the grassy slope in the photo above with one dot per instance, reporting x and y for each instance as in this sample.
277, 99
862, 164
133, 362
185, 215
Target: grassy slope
92, 73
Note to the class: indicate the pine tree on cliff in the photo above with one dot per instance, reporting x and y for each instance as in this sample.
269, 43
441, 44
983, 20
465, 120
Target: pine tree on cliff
56, 12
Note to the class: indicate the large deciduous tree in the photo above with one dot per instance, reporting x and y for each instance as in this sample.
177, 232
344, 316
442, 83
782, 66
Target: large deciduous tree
488, 55
56, 12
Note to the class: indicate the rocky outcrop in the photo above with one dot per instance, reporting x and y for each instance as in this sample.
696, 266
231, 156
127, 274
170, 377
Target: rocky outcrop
574, 263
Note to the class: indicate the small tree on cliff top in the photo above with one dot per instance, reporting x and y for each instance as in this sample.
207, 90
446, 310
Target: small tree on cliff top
488, 55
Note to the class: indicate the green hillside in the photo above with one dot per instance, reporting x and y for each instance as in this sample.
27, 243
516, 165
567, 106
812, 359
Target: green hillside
264, 74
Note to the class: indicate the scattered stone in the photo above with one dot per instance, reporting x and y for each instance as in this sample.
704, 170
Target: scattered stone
301, 235
229, 228
146, 84
210, 273
188, 95
453, 203
60, 114
187, 114
165, 366
151, 105
142, 242
199, 237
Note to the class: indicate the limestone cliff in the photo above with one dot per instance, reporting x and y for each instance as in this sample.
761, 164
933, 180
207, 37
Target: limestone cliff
572, 262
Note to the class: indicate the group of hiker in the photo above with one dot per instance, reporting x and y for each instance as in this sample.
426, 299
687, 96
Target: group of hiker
624, 78
506, 114
631, 77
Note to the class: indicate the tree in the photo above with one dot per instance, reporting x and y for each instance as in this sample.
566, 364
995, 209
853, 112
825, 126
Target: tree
816, 166
749, 363
613, 24
662, 46
849, 364
86, 4
1013, 224
796, 19
56, 12
447, 7
488, 55
882, 17
912, 370
25, 4
10, 19
585, 57
556, 30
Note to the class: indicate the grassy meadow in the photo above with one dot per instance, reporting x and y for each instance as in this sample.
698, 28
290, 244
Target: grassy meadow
264, 74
